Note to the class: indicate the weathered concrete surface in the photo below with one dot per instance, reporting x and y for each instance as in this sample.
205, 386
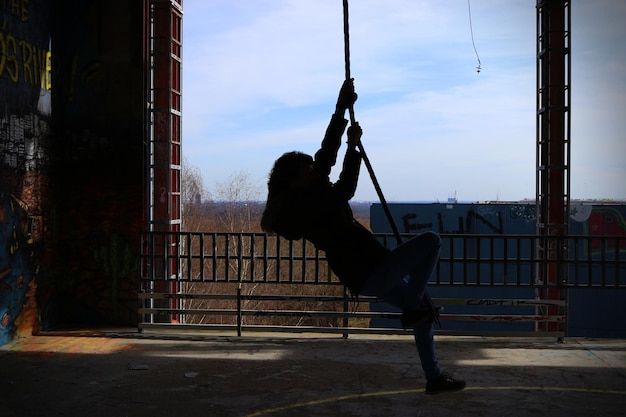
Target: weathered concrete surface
123, 373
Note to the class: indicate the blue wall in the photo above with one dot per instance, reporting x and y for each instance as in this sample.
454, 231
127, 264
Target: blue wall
592, 312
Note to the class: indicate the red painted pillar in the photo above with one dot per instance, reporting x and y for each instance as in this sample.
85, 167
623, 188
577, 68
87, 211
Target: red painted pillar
553, 66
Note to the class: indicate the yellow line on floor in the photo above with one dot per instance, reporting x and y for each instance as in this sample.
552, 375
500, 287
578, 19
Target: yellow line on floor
421, 390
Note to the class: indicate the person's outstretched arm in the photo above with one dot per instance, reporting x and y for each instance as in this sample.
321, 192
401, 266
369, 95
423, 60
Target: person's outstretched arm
345, 187
326, 156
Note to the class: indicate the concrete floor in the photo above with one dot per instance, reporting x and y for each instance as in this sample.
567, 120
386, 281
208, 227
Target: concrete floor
124, 373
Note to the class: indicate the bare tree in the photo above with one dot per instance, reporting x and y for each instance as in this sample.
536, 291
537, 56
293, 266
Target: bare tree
239, 203
192, 196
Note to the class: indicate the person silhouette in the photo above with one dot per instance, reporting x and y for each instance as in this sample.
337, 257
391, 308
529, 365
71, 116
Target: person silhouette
302, 202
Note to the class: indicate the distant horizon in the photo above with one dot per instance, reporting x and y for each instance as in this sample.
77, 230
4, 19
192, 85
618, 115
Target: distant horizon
526, 201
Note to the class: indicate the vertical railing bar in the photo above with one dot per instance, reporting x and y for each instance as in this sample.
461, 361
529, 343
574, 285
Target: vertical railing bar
616, 260
290, 261
252, 256
226, 256
563, 277
317, 265
264, 256
561, 259
240, 275
492, 260
451, 262
574, 253
278, 258
239, 312
589, 262
189, 256
450, 241
617, 246
441, 260
478, 260
175, 243
201, 259
214, 255
465, 260
166, 259
518, 267
532, 248
304, 261
603, 263
505, 260
541, 262
533, 262
346, 310
240, 245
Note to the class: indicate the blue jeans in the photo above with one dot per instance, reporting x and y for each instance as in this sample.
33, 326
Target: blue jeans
401, 281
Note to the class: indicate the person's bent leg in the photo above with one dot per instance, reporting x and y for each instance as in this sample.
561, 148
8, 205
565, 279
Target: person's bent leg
414, 260
430, 247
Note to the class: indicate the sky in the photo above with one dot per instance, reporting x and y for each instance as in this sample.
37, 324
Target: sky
261, 77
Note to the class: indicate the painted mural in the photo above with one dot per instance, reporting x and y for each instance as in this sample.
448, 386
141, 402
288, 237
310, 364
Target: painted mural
25, 109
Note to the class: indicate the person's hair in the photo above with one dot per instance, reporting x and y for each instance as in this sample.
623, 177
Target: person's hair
286, 169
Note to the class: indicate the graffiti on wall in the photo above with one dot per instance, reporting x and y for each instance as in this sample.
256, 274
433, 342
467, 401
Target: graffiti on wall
495, 218
21, 234
25, 103
25, 84
25, 55
457, 218
505, 218
605, 221
23, 62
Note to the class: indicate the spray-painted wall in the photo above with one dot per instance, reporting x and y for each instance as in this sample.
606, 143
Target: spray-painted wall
592, 312
25, 125
71, 171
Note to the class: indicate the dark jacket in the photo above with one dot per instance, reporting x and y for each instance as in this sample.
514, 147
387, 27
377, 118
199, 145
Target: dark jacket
321, 214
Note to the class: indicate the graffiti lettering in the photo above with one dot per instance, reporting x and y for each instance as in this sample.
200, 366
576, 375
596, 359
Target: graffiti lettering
410, 227
36, 65
486, 302
8, 47
472, 219
472, 216
21, 60
442, 228
510, 302
18, 8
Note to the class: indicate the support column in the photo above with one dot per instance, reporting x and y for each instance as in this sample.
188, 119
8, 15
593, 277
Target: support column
553, 152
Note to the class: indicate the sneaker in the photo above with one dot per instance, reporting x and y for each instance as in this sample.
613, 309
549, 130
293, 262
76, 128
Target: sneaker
444, 383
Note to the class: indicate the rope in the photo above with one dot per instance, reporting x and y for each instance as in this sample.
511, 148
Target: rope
346, 35
379, 191
346, 48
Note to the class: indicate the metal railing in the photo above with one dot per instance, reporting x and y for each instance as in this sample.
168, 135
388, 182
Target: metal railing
488, 284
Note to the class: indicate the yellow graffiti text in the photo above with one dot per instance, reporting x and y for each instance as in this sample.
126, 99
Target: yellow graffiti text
23, 62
